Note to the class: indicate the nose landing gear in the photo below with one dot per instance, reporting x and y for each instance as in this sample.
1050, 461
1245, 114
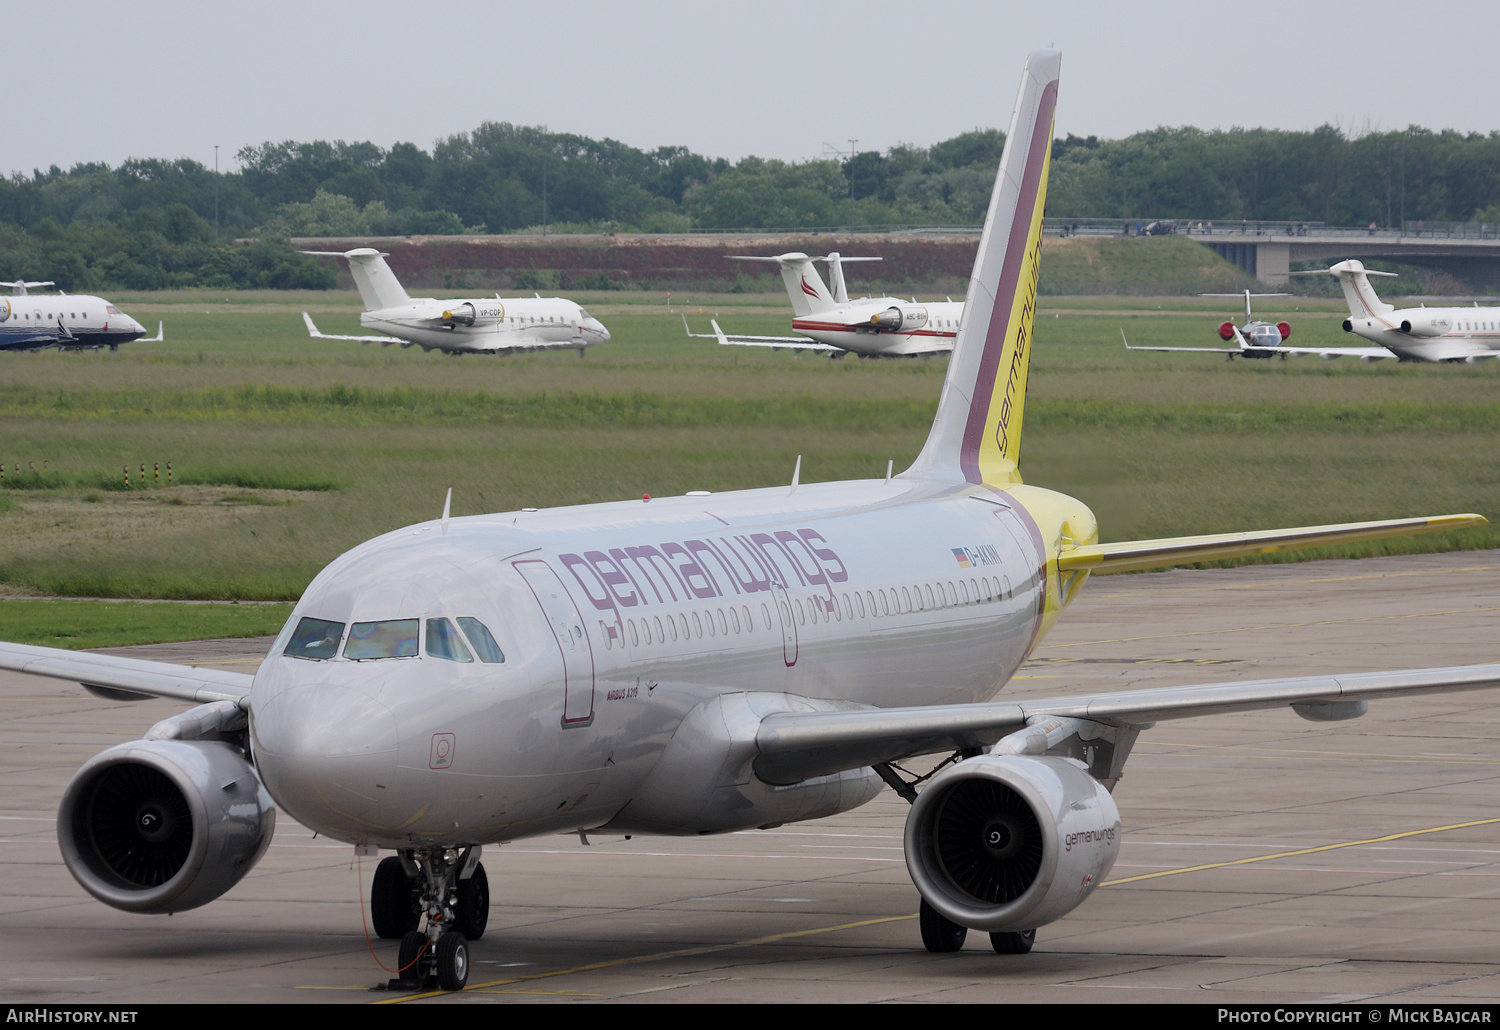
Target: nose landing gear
450, 888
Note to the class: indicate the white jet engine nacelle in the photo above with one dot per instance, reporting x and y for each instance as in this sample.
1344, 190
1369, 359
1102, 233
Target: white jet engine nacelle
1009, 843
459, 314
164, 825
899, 320
1425, 326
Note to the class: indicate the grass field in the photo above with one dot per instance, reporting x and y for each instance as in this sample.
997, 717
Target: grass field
286, 451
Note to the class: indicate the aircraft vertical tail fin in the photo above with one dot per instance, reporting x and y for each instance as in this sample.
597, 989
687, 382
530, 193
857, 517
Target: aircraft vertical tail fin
1358, 293
377, 284
977, 433
804, 286
836, 264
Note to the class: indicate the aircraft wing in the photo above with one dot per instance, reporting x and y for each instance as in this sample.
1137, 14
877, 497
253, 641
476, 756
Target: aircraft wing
1193, 350
126, 679
774, 342
1329, 353
312, 331
794, 746
1135, 555
1326, 353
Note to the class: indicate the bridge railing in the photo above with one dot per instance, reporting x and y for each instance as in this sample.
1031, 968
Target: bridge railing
1260, 231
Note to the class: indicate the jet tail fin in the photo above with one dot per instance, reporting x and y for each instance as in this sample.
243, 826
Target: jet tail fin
1354, 277
804, 286
836, 264
377, 284
977, 434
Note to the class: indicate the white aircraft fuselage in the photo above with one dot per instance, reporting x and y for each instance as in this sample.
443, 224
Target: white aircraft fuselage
541, 323
68, 321
1433, 334
617, 621
476, 325
885, 326
1469, 334
870, 326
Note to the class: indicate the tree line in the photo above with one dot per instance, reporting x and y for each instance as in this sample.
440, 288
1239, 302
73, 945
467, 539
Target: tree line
152, 224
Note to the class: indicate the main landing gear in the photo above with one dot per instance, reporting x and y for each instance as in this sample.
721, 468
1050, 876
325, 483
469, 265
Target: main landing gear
449, 887
942, 935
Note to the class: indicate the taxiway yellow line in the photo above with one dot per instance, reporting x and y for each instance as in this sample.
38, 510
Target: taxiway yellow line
1300, 851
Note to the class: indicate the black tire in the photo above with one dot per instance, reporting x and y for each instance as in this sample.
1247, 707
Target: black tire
1013, 943
939, 933
473, 910
452, 961
407, 965
393, 901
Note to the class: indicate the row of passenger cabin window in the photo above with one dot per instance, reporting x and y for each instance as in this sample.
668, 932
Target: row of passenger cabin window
318, 640
871, 604
18, 315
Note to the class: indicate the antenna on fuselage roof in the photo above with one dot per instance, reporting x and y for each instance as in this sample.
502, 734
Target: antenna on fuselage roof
796, 476
447, 505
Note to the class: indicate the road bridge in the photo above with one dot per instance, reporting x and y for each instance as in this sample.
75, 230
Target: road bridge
1269, 258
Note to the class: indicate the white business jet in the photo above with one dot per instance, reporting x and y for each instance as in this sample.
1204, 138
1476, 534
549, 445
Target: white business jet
689, 665
830, 323
34, 321
1261, 339
478, 326
1469, 334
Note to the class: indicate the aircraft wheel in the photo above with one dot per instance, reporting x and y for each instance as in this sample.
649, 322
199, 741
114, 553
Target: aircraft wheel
1013, 943
393, 902
452, 961
939, 933
410, 958
473, 909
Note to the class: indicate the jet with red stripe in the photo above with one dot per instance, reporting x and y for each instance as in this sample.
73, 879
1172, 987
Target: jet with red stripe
830, 323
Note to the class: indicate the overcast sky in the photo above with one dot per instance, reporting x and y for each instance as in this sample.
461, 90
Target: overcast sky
104, 81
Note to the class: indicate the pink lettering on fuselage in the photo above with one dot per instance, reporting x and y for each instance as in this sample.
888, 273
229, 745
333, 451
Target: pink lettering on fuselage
677, 572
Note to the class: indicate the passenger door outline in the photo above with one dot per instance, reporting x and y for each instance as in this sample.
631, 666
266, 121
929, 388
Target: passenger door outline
572, 639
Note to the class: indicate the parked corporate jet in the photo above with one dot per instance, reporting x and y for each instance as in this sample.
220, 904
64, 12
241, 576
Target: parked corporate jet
1257, 339
478, 326
1469, 334
690, 665
884, 327
34, 321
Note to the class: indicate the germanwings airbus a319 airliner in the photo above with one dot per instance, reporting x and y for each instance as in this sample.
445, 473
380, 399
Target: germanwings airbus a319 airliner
691, 665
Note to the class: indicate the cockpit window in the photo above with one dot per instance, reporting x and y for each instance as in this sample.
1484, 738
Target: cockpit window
583, 316
484, 644
393, 638
315, 638
443, 641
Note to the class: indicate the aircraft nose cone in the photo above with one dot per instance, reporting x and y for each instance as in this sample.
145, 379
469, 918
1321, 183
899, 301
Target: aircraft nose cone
327, 754
597, 327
